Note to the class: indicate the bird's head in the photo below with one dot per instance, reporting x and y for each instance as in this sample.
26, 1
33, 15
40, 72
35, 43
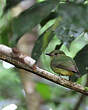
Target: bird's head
55, 53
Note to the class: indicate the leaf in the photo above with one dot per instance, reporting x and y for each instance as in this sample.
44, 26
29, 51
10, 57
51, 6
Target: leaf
72, 21
44, 90
44, 40
81, 60
37, 50
51, 16
32, 16
5, 35
47, 38
41, 43
4, 38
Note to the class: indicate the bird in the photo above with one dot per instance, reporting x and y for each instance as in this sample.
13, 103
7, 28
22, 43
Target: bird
62, 64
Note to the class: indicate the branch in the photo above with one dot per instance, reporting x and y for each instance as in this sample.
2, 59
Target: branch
22, 61
81, 98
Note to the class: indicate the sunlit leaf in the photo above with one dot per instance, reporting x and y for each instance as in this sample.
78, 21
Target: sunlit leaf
44, 90
41, 43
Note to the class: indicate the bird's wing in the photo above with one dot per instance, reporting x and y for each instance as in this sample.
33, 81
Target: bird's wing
66, 63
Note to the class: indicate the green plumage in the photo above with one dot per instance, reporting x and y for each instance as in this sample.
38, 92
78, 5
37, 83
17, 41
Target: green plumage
62, 64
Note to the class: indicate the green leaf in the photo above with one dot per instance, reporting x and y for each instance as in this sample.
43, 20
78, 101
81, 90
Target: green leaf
51, 16
44, 90
32, 16
5, 35
4, 38
37, 50
81, 60
86, 88
43, 40
41, 43
73, 21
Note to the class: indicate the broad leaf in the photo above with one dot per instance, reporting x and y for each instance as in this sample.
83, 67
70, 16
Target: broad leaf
74, 20
41, 43
81, 60
32, 16
44, 40
51, 16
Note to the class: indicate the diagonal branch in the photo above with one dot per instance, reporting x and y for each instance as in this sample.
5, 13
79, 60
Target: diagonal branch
22, 61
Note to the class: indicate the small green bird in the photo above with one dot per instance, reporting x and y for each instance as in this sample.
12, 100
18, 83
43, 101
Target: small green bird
62, 64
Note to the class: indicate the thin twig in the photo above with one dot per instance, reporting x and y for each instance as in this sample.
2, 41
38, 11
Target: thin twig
22, 61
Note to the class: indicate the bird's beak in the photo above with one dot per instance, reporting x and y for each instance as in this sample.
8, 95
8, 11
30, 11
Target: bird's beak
48, 54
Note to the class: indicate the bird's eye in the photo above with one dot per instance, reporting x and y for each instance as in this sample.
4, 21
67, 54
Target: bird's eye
56, 53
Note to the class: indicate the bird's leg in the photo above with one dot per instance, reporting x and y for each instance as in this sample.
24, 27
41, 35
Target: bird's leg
69, 78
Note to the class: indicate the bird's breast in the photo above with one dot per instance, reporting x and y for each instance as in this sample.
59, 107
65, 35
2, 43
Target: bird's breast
60, 71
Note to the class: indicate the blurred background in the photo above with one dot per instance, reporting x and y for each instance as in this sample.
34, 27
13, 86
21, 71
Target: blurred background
35, 27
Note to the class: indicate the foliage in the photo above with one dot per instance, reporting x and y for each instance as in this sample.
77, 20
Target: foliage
60, 21
9, 88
